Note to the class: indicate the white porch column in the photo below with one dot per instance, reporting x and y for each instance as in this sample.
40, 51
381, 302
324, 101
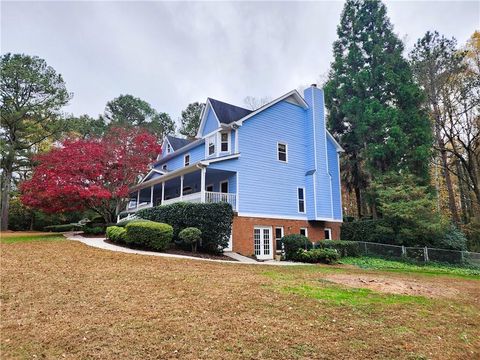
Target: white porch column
138, 199
181, 187
163, 192
202, 184
151, 195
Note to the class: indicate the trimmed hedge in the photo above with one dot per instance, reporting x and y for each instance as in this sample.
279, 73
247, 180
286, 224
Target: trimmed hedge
292, 243
214, 220
124, 223
344, 248
148, 234
325, 256
63, 227
97, 230
116, 234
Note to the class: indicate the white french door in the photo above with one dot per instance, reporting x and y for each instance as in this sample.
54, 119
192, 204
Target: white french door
262, 242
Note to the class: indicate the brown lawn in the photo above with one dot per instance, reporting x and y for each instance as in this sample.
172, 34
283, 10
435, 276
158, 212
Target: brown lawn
62, 299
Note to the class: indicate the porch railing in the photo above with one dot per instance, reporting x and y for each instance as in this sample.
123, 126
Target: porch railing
216, 197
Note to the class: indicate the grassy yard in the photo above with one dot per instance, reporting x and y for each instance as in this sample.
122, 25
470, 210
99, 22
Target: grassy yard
62, 299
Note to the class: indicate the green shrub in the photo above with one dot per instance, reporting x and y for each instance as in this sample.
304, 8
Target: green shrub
191, 236
344, 248
124, 223
149, 234
365, 230
63, 228
326, 256
116, 234
452, 239
292, 243
214, 220
97, 230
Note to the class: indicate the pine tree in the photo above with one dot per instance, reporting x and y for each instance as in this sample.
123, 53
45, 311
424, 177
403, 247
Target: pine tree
374, 105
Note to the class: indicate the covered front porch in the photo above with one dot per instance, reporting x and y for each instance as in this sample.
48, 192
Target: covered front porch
195, 183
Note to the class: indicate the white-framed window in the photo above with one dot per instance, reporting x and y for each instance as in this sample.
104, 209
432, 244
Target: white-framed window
304, 232
282, 152
169, 148
211, 144
164, 167
301, 199
186, 160
278, 238
224, 141
328, 233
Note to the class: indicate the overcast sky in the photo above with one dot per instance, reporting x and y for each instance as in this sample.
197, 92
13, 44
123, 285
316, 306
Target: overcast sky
171, 54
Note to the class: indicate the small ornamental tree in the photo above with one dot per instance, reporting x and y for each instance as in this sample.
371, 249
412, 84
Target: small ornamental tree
191, 236
90, 174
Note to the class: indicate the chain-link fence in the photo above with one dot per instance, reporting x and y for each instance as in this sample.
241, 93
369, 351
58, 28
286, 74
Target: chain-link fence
420, 254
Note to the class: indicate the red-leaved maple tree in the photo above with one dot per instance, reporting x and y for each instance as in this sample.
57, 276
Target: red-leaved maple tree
90, 174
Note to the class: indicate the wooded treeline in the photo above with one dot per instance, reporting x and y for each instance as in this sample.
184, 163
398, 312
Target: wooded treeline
409, 123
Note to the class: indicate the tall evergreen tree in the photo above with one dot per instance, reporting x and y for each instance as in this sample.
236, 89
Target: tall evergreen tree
374, 105
191, 119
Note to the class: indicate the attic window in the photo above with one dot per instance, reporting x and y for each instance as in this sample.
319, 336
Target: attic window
186, 159
224, 142
211, 145
169, 148
164, 167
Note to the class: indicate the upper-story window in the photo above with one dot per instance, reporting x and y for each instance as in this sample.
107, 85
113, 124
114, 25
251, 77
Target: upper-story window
282, 154
169, 148
164, 167
211, 145
301, 200
224, 142
186, 160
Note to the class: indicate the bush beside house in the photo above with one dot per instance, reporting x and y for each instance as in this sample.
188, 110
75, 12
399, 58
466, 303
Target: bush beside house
148, 234
214, 220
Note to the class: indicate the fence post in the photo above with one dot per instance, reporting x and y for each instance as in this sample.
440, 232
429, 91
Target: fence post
404, 251
364, 243
425, 254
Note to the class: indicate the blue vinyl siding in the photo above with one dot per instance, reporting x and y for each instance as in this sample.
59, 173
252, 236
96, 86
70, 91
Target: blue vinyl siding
266, 185
333, 168
211, 123
196, 154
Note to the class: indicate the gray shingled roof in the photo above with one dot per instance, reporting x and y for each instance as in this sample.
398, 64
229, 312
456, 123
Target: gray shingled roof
228, 113
178, 143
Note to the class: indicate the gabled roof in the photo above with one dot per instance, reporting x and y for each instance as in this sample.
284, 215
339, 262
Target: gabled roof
227, 113
178, 143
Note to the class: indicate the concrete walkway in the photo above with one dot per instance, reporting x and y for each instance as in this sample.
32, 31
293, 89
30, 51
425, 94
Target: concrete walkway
101, 244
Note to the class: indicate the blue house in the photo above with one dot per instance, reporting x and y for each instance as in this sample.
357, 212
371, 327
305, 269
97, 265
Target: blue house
277, 166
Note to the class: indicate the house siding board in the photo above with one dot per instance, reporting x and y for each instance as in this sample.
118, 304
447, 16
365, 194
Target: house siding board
268, 186
177, 162
211, 123
316, 116
333, 168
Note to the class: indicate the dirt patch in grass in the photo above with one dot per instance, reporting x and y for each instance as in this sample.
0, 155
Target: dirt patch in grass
394, 285
63, 299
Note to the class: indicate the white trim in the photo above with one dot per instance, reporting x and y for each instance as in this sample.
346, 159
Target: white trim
237, 186
150, 172
203, 173
315, 154
340, 187
329, 232
204, 118
229, 141
337, 145
272, 216
271, 103
214, 136
306, 231
329, 220
286, 152
185, 160
220, 186
275, 237
236, 140
181, 187
163, 192
214, 160
304, 201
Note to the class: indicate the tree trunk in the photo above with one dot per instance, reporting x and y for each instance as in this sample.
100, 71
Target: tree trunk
358, 197
448, 182
7, 186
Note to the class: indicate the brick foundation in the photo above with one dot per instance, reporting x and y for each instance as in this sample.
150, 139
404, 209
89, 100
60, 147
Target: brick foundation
242, 231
